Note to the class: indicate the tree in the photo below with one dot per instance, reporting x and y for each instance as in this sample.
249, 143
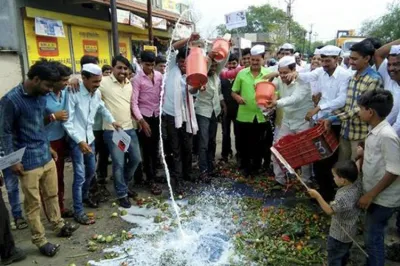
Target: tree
274, 22
386, 27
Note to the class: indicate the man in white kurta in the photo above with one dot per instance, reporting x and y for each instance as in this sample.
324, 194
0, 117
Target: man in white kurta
295, 100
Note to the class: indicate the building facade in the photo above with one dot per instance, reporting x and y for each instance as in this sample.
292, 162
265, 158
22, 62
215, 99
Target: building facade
65, 30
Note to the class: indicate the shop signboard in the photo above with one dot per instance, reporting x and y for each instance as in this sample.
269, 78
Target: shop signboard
182, 32
125, 44
50, 48
88, 41
137, 21
159, 23
49, 27
122, 16
170, 5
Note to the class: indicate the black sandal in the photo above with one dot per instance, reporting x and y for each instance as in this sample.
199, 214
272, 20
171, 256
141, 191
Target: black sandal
83, 219
49, 249
21, 223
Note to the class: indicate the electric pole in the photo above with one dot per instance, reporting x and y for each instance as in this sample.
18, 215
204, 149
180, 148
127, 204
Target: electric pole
309, 38
315, 36
150, 21
114, 27
289, 15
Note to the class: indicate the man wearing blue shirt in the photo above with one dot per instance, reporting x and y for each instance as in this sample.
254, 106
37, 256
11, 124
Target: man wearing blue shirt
55, 116
22, 113
82, 108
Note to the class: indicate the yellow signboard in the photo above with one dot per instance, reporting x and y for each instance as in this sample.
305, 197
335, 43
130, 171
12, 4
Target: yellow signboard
93, 42
50, 48
150, 48
170, 5
125, 45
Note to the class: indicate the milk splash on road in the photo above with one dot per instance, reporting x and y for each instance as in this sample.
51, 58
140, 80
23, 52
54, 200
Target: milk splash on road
167, 173
208, 227
196, 234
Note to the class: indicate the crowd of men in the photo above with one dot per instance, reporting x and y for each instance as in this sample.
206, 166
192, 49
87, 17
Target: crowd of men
55, 115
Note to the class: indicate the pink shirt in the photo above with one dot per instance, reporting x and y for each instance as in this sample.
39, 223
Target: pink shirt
146, 95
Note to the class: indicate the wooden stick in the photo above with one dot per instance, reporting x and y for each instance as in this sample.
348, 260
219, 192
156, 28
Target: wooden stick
352, 239
78, 255
292, 171
288, 167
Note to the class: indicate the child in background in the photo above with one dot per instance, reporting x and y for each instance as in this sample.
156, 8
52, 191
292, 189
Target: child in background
344, 211
381, 170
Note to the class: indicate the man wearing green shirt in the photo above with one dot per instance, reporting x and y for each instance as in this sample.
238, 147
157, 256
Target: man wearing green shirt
251, 121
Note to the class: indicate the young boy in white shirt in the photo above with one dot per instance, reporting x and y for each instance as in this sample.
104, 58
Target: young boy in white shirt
381, 170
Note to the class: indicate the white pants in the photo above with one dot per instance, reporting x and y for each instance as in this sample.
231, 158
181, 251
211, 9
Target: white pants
305, 170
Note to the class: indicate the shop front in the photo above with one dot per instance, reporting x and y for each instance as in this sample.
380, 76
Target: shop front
81, 36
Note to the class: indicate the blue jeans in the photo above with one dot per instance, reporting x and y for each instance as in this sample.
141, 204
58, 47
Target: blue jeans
123, 167
84, 171
12, 187
376, 220
338, 252
207, 142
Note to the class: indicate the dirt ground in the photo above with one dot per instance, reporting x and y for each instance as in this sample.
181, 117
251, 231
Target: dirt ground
73, 250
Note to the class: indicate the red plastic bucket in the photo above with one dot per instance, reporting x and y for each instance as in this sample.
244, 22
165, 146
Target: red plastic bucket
196, 68
221, 48
265, 90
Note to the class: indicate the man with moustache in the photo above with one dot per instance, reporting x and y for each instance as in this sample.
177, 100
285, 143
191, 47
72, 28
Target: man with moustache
82, 107
332, 82
116, 91
251, 121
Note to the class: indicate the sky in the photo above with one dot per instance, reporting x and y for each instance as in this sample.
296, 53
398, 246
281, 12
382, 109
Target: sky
327, 16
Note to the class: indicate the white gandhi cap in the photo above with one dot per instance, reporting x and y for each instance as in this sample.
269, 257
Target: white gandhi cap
92, 68
287, 46
286, 61
331, 50
317, 51
395, 50
257, 49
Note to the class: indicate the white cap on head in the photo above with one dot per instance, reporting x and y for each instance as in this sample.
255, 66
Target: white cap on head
395, 49
346, 54
331, 50
296, 54
257, 49
317, 51
92, 68
287, 46
287, 61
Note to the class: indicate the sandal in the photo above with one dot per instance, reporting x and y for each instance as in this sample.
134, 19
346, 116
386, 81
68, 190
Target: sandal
155, 190
21, 223
67, 213
83, 219
49, 249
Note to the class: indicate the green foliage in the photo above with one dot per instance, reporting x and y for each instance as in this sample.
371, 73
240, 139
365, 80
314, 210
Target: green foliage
386, 27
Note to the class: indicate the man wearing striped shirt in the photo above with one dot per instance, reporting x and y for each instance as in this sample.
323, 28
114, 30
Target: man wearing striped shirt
21, 116
353, 129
